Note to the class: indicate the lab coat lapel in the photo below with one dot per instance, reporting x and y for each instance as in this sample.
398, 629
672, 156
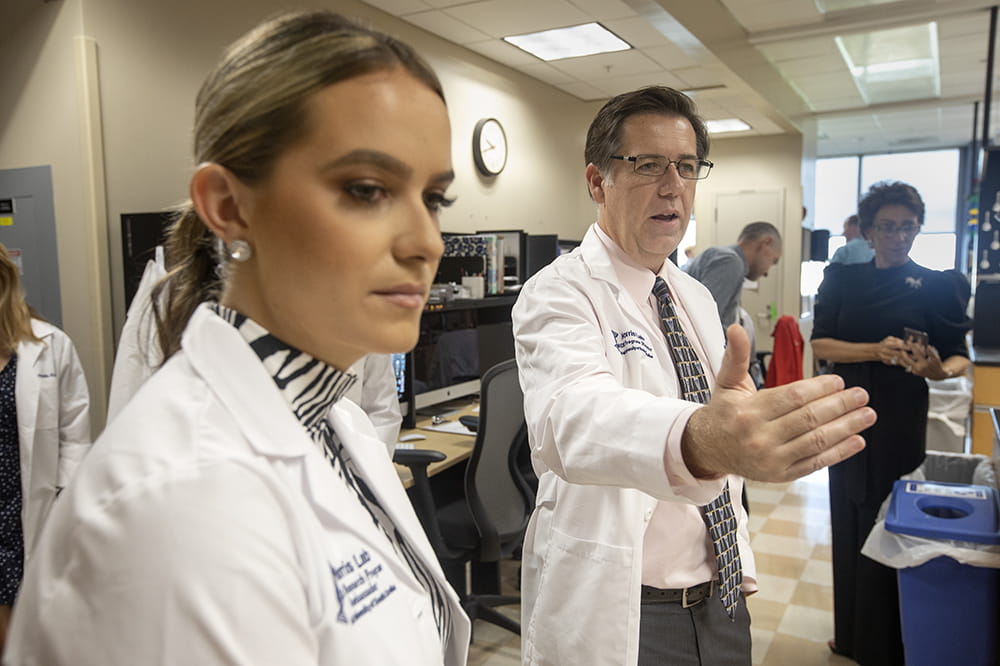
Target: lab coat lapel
596, 258
368, 454
218, 352
26, 391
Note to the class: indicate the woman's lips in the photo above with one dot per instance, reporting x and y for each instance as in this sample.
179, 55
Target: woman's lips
407, 296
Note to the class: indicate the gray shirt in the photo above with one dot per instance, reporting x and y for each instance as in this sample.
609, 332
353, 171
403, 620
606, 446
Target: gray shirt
722, 270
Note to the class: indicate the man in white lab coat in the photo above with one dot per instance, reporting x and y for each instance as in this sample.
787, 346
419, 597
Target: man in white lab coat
618, 567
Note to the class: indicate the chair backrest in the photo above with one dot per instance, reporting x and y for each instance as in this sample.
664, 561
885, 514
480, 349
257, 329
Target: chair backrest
499, 498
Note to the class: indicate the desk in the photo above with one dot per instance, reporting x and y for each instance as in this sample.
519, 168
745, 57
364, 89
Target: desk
456, 447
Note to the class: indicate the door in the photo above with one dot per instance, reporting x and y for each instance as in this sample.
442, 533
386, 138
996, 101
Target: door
28, 230
733, 211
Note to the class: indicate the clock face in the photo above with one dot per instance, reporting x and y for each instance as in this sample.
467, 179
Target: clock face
489, 146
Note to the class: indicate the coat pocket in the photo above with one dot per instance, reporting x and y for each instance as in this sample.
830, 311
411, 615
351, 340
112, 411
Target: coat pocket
581, 614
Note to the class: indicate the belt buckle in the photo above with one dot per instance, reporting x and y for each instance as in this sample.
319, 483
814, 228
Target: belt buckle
684, 596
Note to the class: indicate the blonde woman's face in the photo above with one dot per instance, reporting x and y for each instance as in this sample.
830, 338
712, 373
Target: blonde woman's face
345, 230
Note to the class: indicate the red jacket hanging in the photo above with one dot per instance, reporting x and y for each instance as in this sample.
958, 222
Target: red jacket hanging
786, 359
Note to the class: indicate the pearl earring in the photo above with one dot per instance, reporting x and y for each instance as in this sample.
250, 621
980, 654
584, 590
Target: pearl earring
240, 250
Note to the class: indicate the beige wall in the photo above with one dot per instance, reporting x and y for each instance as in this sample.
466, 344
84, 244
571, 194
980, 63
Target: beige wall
759, 163
153, 57
42, 123
150, 59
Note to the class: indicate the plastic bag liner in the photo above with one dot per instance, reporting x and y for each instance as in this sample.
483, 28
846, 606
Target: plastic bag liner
904, 550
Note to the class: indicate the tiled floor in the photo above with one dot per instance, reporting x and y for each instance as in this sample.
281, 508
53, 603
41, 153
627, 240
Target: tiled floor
792, 614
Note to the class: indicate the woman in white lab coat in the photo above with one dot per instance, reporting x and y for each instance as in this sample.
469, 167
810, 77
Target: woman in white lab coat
44, 426
237, 511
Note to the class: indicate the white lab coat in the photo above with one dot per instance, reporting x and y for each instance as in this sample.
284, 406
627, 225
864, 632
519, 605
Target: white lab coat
375, 393
585, 403
53, 422
206, 527
138, 354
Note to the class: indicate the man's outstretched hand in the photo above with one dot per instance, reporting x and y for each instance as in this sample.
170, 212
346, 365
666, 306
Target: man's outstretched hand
777, 434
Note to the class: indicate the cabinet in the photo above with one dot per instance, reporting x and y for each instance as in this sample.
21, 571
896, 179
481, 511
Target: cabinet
985, 394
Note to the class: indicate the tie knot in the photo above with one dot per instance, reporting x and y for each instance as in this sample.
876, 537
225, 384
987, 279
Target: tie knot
660, 289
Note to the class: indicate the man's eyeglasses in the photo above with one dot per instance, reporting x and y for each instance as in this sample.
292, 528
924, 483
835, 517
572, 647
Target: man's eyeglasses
657, 165
890, 229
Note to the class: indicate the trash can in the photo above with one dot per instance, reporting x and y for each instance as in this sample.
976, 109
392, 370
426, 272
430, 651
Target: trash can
948, 408
949, 610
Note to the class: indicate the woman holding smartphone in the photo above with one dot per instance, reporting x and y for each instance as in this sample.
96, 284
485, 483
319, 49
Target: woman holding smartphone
237, 511
887, 325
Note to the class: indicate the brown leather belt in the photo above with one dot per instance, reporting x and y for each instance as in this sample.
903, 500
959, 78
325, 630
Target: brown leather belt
686, 597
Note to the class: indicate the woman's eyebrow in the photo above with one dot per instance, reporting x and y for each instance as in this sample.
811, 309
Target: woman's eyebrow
373, 158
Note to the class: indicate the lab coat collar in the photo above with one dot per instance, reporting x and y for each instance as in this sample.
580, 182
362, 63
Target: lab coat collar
219, 353
610, 263
28, 351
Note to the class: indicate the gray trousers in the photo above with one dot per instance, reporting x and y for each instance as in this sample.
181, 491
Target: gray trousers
702, 635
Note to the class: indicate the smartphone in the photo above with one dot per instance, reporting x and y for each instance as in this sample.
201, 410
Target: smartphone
915, 337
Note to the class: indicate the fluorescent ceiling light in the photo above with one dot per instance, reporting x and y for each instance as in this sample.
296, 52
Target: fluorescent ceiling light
894, 65
827, 6
579, 40
726, 125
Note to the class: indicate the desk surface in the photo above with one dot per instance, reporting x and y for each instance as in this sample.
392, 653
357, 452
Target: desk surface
456, 447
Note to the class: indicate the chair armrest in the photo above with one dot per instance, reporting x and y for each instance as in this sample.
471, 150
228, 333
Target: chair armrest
421, 496
417, 457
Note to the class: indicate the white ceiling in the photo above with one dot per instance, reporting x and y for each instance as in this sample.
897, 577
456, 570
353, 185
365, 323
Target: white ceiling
772, 63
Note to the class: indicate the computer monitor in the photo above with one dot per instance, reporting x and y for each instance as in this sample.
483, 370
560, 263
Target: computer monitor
455, 348
404, 390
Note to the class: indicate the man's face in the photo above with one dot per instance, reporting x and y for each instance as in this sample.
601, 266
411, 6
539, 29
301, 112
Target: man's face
647, 216
767, 255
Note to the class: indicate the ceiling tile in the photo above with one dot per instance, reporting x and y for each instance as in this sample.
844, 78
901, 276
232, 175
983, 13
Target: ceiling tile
800, 67
965, 26
399, 7
584, 91
799, 48
503, 53
440, 4
441, 24
501, 18
603, 65
673, 57
701, 77
603, 10
757, 17
617, 85
636, 31
546, 72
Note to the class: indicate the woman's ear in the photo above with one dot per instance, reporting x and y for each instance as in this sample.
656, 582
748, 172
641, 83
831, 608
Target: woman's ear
215, 193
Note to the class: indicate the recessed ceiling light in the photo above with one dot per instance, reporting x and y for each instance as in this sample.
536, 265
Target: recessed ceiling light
895, 64
573, 42
726, 125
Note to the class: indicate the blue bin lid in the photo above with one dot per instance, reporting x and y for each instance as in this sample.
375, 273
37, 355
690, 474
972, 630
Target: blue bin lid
937, 510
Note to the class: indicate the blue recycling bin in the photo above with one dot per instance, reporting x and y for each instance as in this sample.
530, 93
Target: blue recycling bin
950, 612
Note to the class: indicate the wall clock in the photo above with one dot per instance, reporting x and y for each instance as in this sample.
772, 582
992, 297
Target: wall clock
489, 146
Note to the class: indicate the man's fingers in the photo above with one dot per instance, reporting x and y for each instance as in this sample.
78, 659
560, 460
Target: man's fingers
839, 452
733, 371
782, 400
822, 411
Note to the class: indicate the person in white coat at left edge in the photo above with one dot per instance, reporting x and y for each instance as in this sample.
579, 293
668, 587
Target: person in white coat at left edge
51, 412
237, 511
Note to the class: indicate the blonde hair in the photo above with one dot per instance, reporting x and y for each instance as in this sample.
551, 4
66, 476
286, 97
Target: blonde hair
15, 313
250, 108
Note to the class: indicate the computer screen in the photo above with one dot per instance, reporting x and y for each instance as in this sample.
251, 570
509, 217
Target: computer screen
455, 348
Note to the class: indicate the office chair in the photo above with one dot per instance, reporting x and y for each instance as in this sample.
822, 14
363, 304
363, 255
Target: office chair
488, 523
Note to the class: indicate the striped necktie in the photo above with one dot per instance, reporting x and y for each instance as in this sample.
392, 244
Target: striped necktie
718, 514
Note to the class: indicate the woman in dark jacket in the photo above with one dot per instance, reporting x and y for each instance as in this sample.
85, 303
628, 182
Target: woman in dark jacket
862, 313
